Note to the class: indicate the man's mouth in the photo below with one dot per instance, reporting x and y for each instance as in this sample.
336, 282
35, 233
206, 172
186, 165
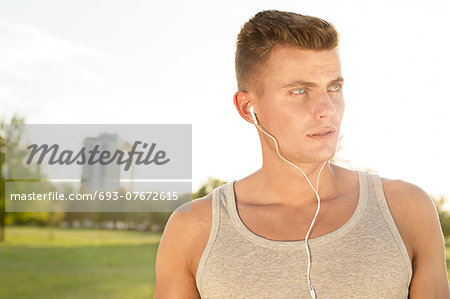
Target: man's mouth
322, 134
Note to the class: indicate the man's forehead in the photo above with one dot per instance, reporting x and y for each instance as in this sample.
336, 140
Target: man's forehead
288, 64
289, 56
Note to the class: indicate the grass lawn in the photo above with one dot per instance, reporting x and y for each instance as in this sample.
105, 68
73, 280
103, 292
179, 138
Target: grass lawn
77, 263
35, 263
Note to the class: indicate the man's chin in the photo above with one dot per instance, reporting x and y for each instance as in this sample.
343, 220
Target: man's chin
321, 156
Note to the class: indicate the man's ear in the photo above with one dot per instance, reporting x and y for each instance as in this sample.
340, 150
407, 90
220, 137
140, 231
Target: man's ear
243, 101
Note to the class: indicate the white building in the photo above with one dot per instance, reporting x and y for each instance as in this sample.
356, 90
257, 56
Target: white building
102, 177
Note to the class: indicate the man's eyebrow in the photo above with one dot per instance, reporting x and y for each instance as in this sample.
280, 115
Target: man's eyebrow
337, 80
310, 84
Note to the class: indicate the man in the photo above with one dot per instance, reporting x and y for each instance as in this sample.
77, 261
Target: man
259, 237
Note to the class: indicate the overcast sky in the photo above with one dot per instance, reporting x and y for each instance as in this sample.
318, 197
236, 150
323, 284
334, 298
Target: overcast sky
149, 62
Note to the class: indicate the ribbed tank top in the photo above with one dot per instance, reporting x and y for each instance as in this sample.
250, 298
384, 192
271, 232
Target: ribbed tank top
364, 258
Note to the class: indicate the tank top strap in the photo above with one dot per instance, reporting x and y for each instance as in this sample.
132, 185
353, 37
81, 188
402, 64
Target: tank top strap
381, 199
218, 197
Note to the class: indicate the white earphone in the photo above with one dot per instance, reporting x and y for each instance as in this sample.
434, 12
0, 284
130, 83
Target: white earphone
255, 120
316, 191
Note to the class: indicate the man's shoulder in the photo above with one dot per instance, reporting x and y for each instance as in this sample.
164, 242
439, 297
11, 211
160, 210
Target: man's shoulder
417, 220
413, 211
408, 197
180, 247
186, 233
192, 215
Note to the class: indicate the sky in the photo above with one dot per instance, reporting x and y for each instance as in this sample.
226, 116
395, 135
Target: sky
166, 62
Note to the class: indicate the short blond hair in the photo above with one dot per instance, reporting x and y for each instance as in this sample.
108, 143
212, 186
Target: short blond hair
270, 29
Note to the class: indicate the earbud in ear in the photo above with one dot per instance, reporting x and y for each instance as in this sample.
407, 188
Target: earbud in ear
255, 120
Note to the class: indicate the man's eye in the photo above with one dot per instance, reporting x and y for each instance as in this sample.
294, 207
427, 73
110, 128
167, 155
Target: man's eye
335, 87
300, 90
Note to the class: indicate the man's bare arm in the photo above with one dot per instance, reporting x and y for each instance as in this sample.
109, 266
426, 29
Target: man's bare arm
416, 217
173, 276
181, 245
429, 271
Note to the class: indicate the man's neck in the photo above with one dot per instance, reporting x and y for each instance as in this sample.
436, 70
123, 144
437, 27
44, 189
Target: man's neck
284, 184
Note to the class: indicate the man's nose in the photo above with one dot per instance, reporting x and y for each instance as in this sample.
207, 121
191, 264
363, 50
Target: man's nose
323, 106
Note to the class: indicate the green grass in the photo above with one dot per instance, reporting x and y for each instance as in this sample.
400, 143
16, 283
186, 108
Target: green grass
64, 263
77, 263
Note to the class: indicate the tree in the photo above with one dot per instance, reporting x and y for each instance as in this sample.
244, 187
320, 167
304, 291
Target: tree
444, 215
2, 185
11, 143
208, 187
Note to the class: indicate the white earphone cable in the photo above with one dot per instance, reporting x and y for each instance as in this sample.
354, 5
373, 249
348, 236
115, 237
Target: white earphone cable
316, 191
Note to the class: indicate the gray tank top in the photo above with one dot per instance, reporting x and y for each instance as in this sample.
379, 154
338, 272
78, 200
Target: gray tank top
364, 258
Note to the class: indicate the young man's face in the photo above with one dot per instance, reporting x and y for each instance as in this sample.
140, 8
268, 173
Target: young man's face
302, 104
